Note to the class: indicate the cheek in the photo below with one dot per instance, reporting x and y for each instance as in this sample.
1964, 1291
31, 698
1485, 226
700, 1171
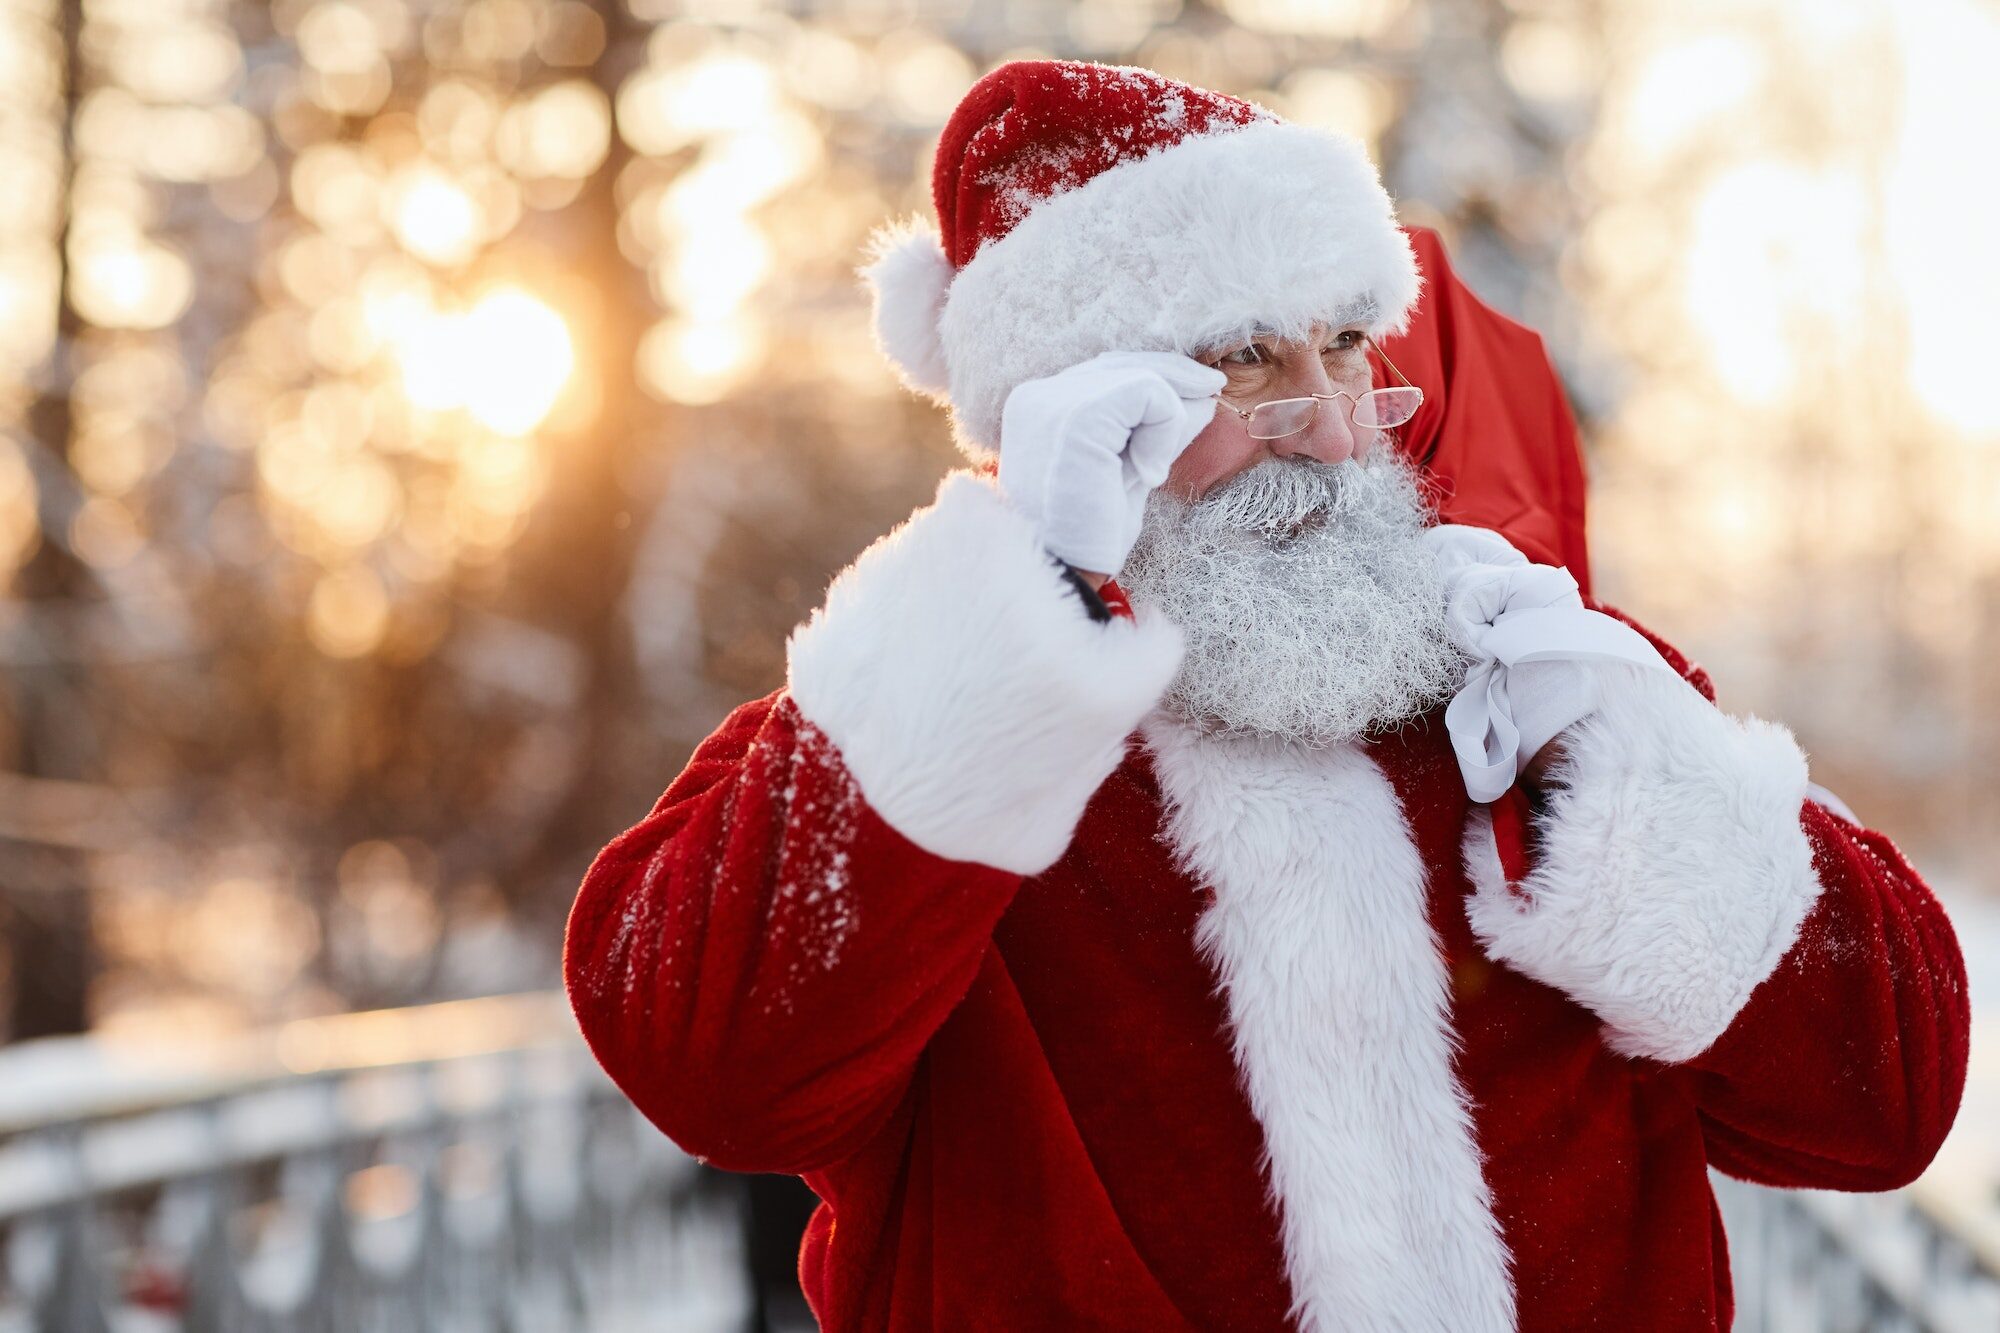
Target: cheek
1223, 449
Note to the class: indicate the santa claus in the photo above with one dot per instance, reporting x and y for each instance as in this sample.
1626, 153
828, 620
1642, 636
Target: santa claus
1184, 885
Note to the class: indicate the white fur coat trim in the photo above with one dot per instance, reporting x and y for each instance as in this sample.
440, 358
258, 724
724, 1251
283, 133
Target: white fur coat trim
1266, 224
970, 695
1673, 873
1339, 1013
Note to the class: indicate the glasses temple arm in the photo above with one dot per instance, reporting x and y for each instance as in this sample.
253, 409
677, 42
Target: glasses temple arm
1391, 364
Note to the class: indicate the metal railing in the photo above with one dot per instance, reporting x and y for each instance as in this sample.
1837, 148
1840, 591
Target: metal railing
456, 1168
1916, 1260
466, 1168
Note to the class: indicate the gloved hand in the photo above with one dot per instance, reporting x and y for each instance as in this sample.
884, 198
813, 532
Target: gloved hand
1539, 660
1080, 450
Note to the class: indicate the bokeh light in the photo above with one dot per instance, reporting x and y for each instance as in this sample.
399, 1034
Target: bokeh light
433, 216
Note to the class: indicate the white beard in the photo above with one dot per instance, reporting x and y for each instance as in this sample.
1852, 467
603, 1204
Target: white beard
1312, 609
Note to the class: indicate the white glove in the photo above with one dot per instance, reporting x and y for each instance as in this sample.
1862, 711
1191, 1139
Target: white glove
1540, 659
1081, 450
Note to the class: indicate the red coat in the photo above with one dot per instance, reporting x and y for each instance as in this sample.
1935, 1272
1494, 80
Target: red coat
1075, 1020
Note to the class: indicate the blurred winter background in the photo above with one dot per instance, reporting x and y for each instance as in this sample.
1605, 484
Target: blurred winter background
421, 420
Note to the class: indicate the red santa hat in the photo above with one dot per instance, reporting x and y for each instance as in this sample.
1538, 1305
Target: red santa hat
1084, 208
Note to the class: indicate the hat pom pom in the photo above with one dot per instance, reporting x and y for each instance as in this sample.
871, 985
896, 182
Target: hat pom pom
910, 276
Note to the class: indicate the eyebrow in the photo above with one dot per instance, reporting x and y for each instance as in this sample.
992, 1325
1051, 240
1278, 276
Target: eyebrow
1354, 312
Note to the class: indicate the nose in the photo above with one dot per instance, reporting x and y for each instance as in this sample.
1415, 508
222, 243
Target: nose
1329, 438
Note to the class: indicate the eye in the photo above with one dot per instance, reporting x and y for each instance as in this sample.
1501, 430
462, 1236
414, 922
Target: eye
1346, 340
1252, 355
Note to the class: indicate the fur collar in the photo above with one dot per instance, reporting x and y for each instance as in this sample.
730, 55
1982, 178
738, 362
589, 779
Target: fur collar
1339, 1010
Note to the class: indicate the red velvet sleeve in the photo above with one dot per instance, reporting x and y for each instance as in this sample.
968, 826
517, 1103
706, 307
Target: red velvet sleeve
760, 961
1845, 1067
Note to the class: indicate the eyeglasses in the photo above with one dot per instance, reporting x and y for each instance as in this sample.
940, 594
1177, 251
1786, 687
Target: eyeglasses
1378, 409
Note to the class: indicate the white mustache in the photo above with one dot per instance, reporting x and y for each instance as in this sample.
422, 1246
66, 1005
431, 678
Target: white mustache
1278, 497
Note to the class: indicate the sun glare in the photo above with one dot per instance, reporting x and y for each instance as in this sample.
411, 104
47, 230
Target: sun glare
520, 357
505, 361
697, 361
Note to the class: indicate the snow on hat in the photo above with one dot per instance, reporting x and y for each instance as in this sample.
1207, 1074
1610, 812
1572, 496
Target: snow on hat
1085, 208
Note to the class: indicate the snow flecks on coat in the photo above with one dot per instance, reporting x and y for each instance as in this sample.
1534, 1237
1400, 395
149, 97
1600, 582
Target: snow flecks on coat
819, 804
640, 913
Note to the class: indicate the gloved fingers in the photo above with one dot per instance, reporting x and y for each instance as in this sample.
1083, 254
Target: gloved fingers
1459, 544
1082, 449
1154, 445
1101, 549
1083, 505
1188, 377
1471, 605
1478, 595
1547, 697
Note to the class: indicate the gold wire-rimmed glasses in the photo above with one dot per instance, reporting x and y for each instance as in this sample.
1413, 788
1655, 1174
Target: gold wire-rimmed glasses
1377, 409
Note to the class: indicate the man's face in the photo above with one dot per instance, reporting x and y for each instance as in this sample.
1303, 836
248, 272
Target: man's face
1333, 360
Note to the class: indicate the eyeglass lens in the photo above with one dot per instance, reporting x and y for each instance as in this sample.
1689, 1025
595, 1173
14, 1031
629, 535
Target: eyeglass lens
1382, 408
1285, 416
1377, 409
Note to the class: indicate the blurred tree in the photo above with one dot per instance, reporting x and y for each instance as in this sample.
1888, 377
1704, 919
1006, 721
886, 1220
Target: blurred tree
588, 520
44, 885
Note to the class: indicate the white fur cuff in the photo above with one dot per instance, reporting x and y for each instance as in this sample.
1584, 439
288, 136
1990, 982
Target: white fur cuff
970, 695
1673, 873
